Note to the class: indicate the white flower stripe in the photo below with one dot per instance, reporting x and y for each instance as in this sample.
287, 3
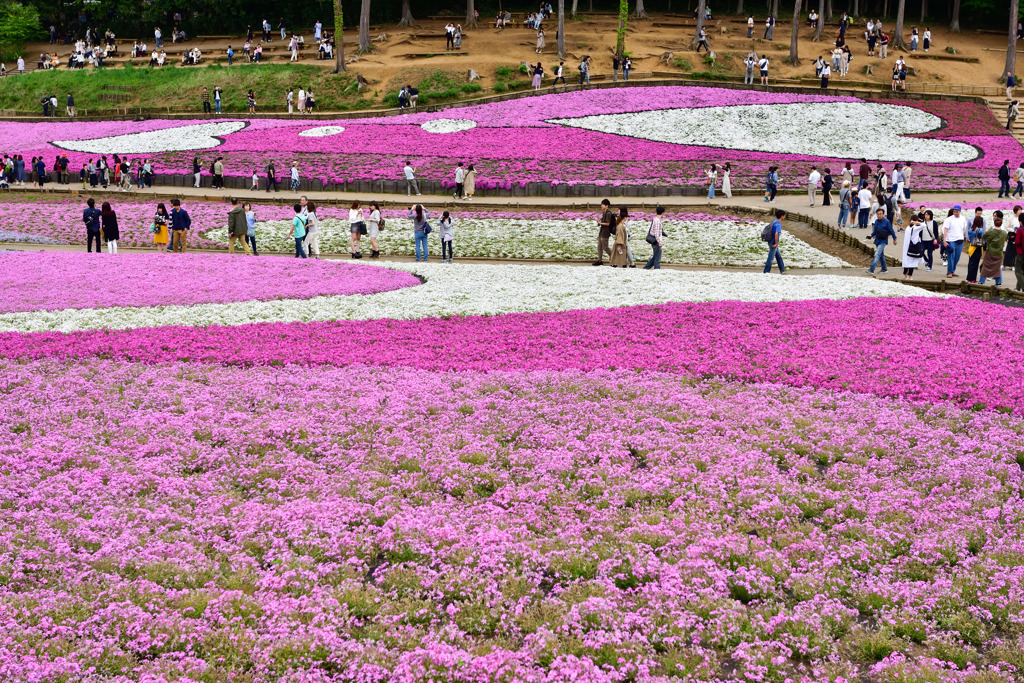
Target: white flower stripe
464, 290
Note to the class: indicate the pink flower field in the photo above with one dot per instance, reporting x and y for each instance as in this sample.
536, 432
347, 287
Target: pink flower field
516, 142
62, 280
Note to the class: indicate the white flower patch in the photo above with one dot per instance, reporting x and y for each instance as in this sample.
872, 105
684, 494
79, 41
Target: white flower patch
448, 125
463, 290
180, 139
841, 130
321, 132
694, 243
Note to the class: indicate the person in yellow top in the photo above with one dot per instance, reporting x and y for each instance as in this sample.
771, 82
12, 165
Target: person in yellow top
160, 220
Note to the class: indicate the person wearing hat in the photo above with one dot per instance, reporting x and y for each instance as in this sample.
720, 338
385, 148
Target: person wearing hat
954, 229
845, 201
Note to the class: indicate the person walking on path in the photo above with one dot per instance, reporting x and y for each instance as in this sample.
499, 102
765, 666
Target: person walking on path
238, 229
750, 26
812, 184
929, 238
975, 247
773, 243
994, 240
620, 249
604, 233
180, 225
470, 182
271, 172
1018, 261
655, 237
881, 234
312, 240
913, 247
460, 181
1004, 179
954, 230
111, 234
411, 183
373, 227
298, 231
845, 202
91, 218
250, 228
421, 229
1012, 114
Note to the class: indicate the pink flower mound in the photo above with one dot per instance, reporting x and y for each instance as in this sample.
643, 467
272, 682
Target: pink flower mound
59, 280
860, 345
206, 523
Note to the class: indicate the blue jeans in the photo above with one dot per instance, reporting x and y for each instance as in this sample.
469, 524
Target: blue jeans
299, 251
625, 74
999, 280
216, 106
655, 261
421, 246
1004, 188
774, 255
953, 251
844, 211
711, 191
1020, 189
230, 57
862, 217
879, 258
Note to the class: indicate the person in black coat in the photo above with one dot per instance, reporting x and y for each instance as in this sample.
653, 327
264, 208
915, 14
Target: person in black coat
111, 234
91, 218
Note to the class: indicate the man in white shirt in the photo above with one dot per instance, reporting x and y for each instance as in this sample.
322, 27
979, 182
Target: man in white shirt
159, 37
460, 177
410, 180
318, 30
863, 207
953, 232
750, 26
812, 184
762, 64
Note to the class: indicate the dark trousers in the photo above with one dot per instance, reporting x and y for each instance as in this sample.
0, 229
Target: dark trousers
90, 236
973, 263
1004, 188
928, 246
251, 241
459, 190
272, 180
299, 251
206, 107
446, 249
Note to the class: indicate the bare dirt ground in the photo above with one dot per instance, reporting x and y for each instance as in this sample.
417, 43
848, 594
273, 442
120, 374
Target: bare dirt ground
410, 53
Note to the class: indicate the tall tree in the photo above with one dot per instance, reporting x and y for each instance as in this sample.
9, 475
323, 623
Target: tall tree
855, 12
620, 40
924, 9
739, 8
828, 11
775, 9
1011, 39
406, 14
794, 56
364, 26
821, 21
897, 42
339, 38
575, 4
701, 5
639, 12
470, 13
954, 25
561, 29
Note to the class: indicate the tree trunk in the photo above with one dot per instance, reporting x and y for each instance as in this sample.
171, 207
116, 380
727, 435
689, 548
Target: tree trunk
406, 14
828, 11
561, 29
701, 5
924, 9
739, 8
821, 21
620, 39
775, 9
339, 38
897, 42
855, 12
954, 25
885, 9
591, 10
639, 12
575, 3
364, 26
794, 56
1011, 40
470, 13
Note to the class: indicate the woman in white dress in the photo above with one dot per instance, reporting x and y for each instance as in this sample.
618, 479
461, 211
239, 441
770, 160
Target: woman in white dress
541, 43
726, 183
913, 248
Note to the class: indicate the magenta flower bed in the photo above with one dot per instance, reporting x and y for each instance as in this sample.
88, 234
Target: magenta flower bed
59, 280
855, 345
201, 523
513, 143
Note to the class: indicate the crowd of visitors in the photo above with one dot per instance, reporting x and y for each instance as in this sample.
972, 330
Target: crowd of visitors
118, 172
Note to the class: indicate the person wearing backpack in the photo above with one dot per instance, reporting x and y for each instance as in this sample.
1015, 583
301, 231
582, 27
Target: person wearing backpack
772, 234
271, 176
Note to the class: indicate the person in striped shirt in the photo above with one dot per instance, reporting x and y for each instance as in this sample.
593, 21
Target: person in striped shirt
656, 233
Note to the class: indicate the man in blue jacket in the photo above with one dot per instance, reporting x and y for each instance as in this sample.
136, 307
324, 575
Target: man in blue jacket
180, 224
91, 218
882, 232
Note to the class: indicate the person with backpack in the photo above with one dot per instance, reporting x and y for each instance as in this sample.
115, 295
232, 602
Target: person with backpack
845, 203
271, 176
421, 229
559, 75
772, 234
91, 217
